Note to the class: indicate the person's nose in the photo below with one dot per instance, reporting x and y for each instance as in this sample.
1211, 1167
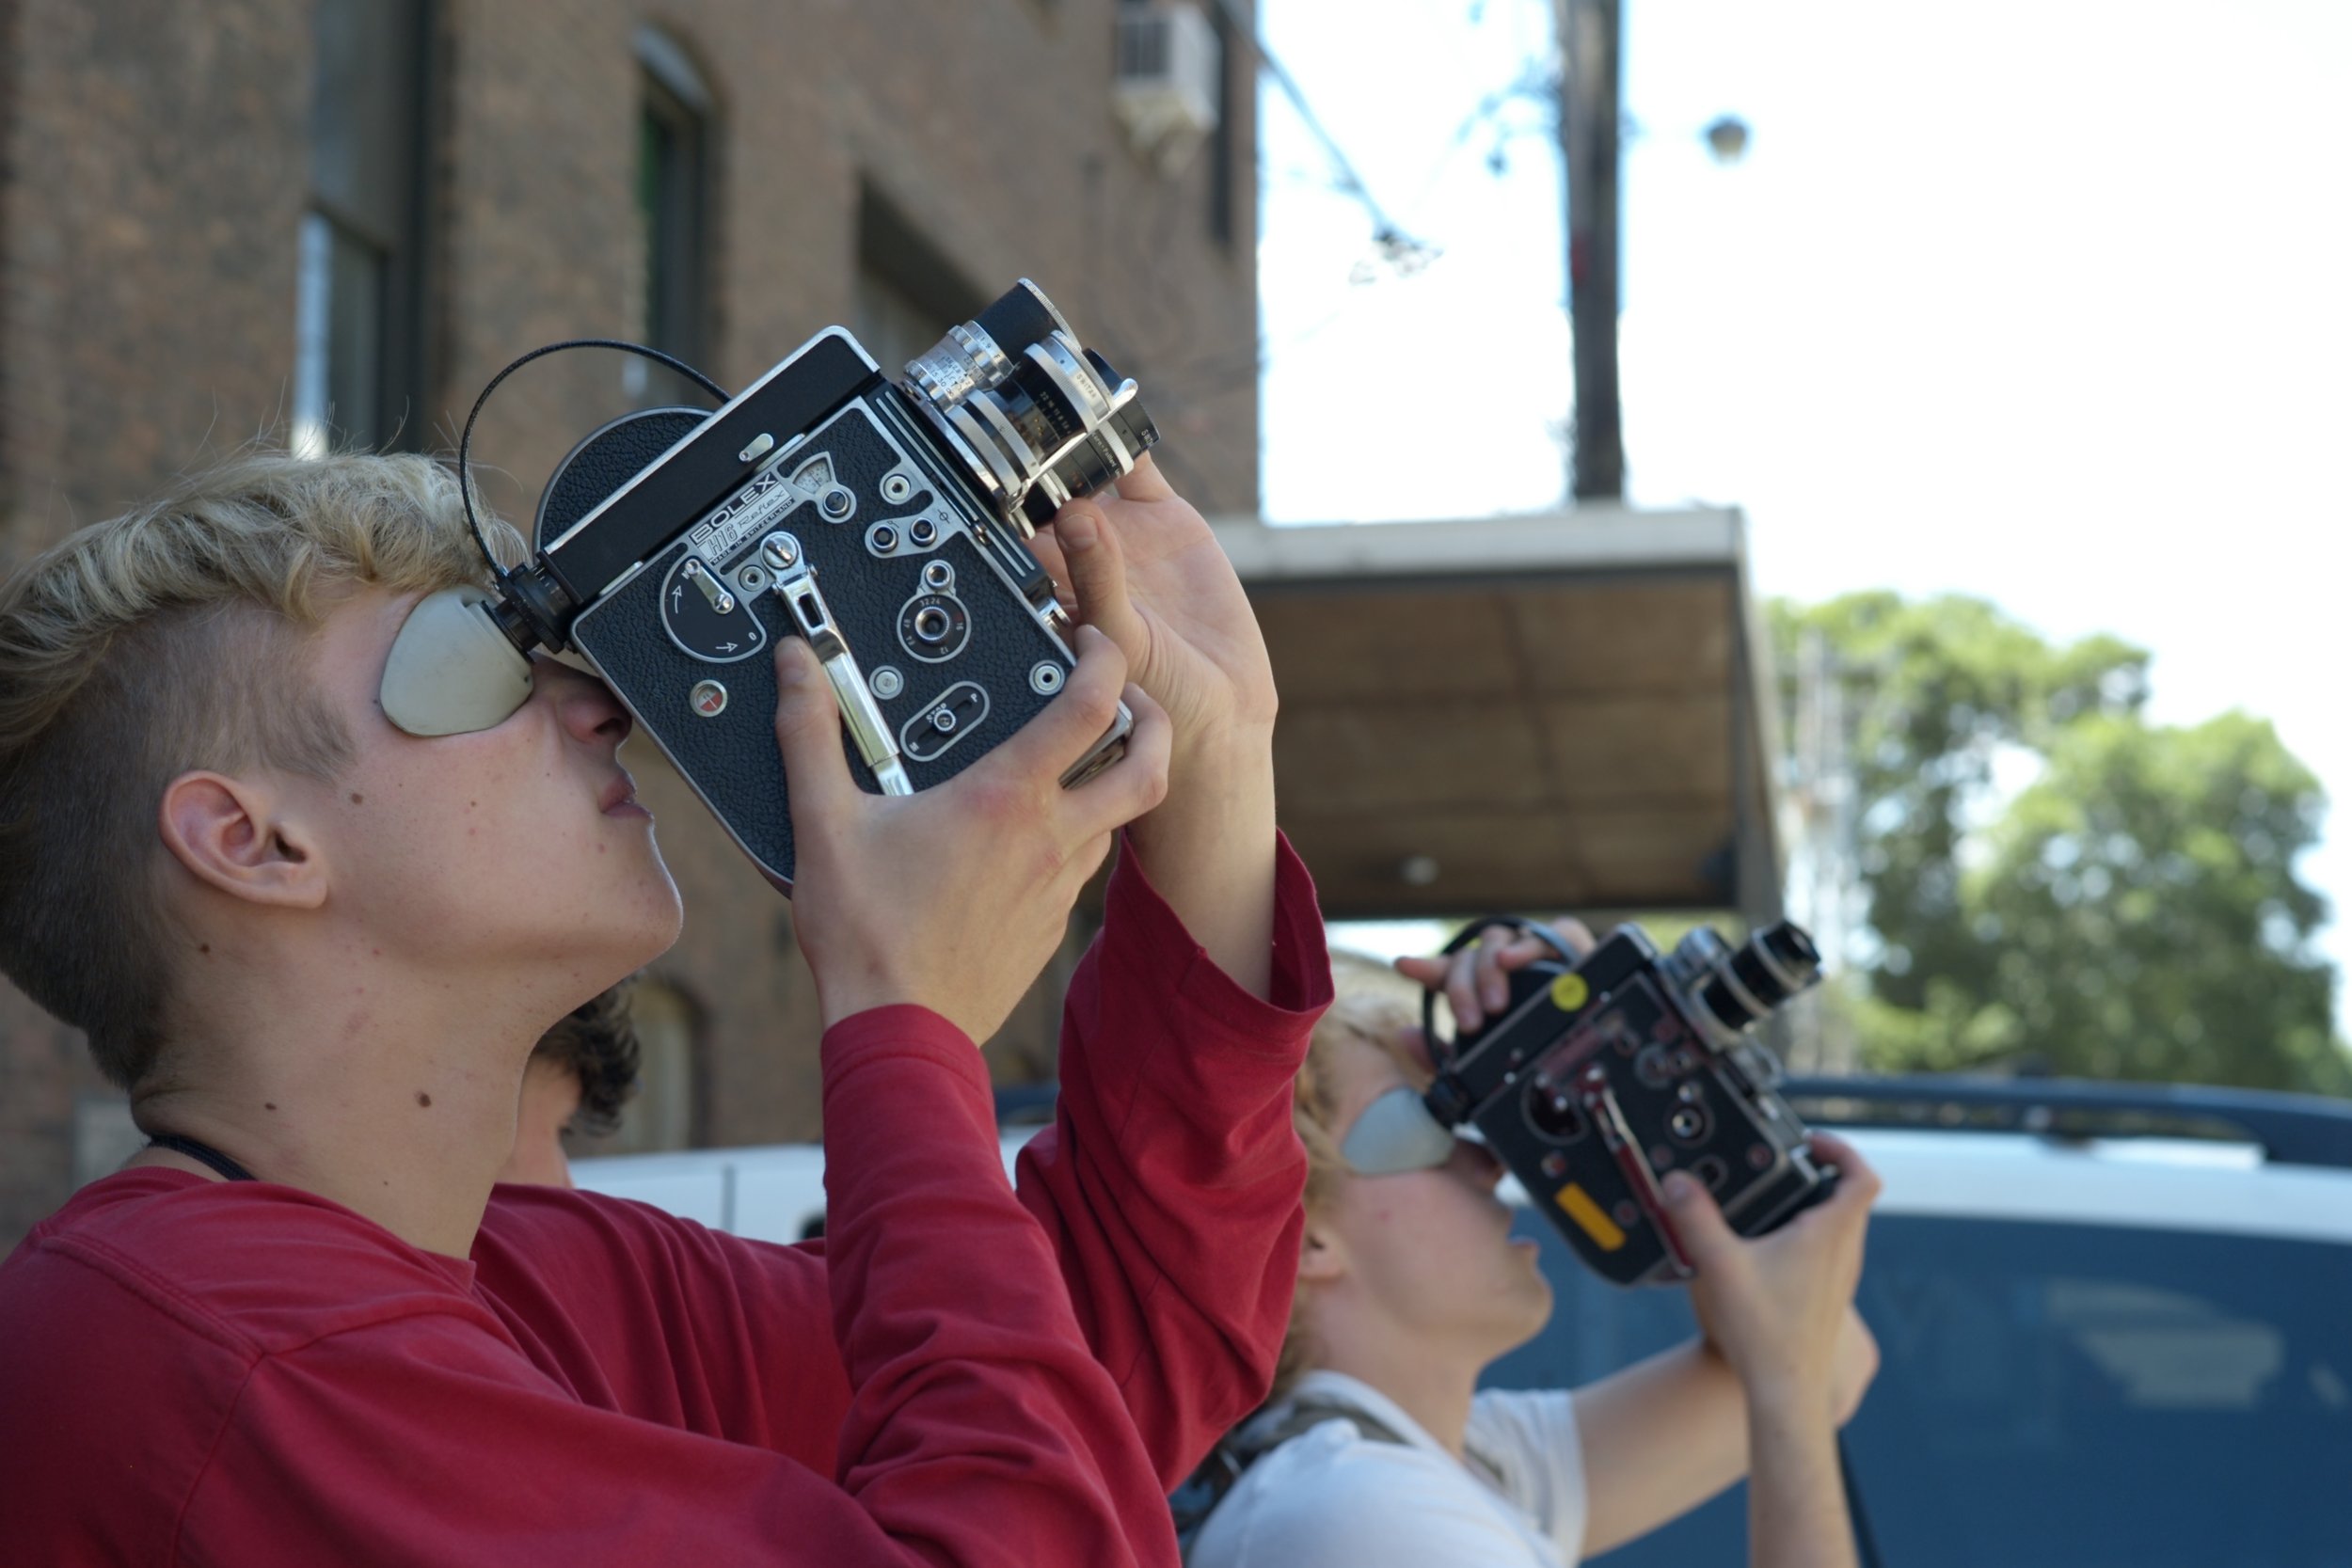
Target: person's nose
586, 709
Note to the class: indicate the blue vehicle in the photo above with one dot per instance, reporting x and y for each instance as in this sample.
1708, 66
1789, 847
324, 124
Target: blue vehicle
2115, 1322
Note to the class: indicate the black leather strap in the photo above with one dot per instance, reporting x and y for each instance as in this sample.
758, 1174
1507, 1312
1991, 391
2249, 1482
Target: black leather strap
202, 1153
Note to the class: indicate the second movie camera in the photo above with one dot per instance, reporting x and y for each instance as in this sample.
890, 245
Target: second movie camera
1606, 1073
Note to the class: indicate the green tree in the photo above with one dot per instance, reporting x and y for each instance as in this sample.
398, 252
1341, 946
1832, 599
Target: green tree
2133, 913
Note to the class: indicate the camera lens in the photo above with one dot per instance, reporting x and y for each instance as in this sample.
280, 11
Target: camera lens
1778, 962
1022, 314
1035, 418
1767, 970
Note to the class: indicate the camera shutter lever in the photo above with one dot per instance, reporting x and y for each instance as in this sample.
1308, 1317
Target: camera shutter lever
796, 584
1600, 1103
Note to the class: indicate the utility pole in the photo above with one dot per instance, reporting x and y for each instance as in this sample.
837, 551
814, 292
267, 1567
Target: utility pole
1590, 61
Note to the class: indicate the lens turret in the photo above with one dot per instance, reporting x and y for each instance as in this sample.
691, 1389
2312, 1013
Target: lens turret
1761, 974
1036, 418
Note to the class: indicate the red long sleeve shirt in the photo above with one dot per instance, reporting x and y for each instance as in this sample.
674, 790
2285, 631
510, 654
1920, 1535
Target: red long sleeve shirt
201, 1372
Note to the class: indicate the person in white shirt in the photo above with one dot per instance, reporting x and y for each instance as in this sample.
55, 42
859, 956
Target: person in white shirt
1377, 1449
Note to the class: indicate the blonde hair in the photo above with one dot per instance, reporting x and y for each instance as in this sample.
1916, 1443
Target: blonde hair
169, 639
1372, 1005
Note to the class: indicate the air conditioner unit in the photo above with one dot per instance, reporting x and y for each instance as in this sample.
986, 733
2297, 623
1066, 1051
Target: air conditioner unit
1166, 90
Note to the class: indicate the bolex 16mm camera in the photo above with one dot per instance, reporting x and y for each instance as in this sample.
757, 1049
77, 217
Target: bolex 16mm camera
882, 519
1606, 1073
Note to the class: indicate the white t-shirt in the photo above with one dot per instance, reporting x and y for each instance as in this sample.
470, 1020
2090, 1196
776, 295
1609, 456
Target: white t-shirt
1331, 1496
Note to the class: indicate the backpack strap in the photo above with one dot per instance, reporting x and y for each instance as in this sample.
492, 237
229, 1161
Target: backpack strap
1222, 1470
1310, 1414
1307, 1415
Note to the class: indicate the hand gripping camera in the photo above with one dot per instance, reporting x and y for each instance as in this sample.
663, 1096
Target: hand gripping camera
882, 521
1606, 1073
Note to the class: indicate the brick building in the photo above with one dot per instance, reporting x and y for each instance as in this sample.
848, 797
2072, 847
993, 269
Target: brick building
335, 219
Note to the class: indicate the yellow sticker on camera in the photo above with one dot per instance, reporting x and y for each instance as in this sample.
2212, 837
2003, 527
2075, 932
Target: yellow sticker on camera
1589, 1217
1569, 993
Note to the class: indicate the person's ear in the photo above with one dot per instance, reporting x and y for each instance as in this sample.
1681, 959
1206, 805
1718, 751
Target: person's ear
241, 837
1322, 1255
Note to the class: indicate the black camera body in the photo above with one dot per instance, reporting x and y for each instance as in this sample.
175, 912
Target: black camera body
882, 521
1605, 1073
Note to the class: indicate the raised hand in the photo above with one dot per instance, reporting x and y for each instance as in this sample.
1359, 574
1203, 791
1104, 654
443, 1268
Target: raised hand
954, 898
1145, 568
1476, 981
1779, 1308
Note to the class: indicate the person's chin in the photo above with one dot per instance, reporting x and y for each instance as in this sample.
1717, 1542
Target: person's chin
1530, 1254
647, 912
642, 857
1530, 1311
666, 916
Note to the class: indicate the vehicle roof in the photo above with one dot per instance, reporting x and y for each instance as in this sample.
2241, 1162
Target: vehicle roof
2155, 1183
2159, 1184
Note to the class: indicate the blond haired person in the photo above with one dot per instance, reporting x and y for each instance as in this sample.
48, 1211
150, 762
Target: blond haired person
318, 949
1378, 1448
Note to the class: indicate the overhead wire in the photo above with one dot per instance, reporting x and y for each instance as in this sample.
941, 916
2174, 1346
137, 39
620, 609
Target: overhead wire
1395, 243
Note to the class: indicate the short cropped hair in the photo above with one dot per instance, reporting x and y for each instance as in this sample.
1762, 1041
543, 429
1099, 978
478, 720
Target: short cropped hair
169, 639
597, 1043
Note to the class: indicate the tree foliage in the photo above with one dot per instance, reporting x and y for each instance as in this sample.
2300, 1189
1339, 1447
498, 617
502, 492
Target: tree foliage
2132, 913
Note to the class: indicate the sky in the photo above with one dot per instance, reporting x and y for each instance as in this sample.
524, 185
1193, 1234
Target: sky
2049, 303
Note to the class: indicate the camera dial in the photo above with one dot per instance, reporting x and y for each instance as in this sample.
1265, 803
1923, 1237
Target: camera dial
934, 628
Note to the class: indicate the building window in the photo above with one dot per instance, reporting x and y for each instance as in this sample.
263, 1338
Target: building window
359, 372
673, 157
909, 294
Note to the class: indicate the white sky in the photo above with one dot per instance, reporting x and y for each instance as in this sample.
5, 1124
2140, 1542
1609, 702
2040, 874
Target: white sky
2049, 303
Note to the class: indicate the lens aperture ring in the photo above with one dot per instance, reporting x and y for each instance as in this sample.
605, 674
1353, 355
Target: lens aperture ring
984, 446
1088, 401
1018, 451
1035, 418
965, 361
1759, 976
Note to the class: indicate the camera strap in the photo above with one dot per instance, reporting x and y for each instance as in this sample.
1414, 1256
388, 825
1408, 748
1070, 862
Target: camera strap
204, 1154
